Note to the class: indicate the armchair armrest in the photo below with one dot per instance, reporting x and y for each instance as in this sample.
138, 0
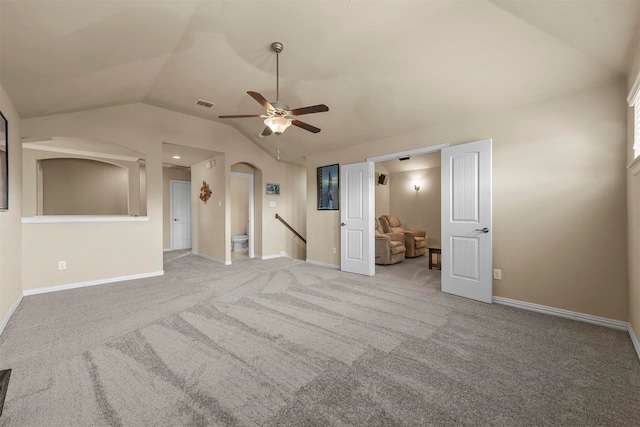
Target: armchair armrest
418, 232
383, 237
398, 237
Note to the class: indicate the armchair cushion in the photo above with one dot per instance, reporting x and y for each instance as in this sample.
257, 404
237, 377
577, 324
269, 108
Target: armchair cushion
390, 248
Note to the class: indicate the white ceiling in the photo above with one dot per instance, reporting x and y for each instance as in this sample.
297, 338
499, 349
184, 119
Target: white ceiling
382, 67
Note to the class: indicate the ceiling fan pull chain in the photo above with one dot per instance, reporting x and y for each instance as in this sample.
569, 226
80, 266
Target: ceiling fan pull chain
278, 139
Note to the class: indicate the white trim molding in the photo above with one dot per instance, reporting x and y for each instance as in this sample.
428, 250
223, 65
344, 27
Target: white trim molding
323, 264
634, 166
265, 257
13, 308
91, 283
573, 315
56, 219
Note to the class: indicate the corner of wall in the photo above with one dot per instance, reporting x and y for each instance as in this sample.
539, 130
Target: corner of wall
10, 220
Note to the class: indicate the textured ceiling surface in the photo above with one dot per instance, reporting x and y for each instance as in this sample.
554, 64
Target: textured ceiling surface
382, 67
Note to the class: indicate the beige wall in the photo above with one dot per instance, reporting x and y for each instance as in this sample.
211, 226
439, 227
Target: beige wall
209, 218
168, 175
10, 226
417, 209
84, 187
633, 211
144, 128
382, 191
559, 201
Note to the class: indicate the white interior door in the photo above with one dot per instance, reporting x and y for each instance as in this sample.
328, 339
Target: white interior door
466, 220
356, 215
180, 215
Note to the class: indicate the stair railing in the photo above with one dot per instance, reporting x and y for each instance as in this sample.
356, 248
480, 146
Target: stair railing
286, 224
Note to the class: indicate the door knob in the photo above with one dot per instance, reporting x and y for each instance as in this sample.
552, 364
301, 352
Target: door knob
343, 224
175, 219
484, 230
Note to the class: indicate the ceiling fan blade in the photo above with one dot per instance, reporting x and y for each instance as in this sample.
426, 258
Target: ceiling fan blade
308, 110
261, 100
240, 116
267, 131
305, 126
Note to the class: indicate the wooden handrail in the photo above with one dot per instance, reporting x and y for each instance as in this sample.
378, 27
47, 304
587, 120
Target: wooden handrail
290, 228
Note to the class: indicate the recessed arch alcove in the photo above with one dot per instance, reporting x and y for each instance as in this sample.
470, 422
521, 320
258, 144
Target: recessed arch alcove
78, 176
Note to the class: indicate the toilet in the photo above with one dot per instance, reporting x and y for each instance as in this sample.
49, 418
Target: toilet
240, 243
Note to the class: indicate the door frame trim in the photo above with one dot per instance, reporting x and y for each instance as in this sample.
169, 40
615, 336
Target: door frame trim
416, 152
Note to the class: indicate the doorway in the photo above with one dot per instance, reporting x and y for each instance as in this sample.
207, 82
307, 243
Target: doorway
242, 212
180, 195
465, 216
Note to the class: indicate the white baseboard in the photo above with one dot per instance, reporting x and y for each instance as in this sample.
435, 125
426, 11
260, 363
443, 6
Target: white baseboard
210, 258
280, 255
634, 340
323, 264
91, 283
573, 315
13, 308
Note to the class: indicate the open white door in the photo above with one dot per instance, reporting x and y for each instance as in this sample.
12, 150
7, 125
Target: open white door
466, 221
356, 215
180, 215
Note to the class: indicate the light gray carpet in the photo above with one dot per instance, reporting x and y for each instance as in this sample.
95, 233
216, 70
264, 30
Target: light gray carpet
282, 342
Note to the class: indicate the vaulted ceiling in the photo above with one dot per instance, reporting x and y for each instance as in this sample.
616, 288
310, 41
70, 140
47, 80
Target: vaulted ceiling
382, 67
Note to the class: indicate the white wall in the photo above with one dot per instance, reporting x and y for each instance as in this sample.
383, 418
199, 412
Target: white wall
559, 198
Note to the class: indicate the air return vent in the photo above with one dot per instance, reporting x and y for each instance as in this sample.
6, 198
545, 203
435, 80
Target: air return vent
204, 103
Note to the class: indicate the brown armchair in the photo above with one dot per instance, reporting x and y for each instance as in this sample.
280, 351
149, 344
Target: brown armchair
390, 247
414, 240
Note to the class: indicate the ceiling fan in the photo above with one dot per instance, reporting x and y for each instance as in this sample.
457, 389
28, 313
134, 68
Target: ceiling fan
279, 116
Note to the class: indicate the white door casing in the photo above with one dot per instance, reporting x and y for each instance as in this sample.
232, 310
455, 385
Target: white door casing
467, 221
180, 214
356, 218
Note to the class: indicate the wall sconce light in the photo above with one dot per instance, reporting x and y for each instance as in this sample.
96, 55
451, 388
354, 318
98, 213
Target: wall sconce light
416, 185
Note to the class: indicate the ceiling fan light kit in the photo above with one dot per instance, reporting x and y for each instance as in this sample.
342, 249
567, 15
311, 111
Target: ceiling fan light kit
277, 124
279, 116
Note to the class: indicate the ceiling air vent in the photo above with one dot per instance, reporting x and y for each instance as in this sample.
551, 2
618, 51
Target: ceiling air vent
203, 103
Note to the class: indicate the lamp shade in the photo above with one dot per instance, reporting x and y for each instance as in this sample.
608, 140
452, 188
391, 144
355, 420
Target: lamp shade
277, 124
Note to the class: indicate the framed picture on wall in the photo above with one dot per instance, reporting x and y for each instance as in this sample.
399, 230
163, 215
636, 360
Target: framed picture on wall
4, 163
273, 189
328, 188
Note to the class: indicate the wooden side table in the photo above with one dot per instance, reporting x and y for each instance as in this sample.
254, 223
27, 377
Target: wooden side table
437, 251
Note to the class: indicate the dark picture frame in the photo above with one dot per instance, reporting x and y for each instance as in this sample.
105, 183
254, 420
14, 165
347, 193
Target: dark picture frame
4, 163
329, 188
273, 189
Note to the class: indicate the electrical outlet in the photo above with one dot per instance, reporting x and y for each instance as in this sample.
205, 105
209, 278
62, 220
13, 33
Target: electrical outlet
497, 274
334, 251
62, 265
